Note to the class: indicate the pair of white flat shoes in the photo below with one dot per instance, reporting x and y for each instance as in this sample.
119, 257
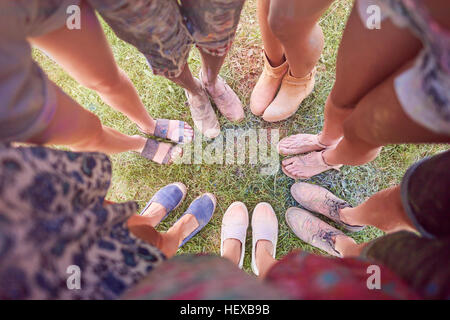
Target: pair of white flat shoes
264, 227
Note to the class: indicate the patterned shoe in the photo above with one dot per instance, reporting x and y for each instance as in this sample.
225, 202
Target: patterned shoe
312, 230
307, 166
320, 200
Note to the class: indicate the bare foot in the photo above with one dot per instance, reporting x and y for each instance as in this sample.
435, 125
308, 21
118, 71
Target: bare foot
300, 143
307, 166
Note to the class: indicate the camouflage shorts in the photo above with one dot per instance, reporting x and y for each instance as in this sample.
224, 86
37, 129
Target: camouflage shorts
164, 30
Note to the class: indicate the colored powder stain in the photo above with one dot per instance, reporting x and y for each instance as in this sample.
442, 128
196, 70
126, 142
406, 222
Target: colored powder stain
431, 289
328, 279
389, 287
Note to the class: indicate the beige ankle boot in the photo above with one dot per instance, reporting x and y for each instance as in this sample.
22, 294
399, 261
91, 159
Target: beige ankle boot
292, 92
267, 86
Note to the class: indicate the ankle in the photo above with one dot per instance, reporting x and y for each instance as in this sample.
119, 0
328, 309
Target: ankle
207, 80
346, 246
154, 214
175, 232
328, 158
302, 74
140, 143
183, 227
327, 141
346, 215
263, 257
197, 90
263, 250
232, 250
146, 125
168, 244
276, 62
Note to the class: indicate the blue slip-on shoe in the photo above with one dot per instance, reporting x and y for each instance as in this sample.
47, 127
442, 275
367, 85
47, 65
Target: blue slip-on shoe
202, 208
170, 197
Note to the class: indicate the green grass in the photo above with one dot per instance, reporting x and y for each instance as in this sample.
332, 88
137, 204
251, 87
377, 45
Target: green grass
134, 178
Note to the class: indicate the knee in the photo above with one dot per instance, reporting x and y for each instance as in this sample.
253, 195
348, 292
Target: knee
92, 135
285, 25
339, 100
282, 25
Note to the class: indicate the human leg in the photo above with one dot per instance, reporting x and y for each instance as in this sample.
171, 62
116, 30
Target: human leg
81, 130
96, 69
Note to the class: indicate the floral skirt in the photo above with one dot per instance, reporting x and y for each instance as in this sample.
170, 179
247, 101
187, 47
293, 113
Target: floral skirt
58, 240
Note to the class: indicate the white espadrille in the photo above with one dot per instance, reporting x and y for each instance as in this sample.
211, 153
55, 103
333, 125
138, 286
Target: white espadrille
234, 226
264, 227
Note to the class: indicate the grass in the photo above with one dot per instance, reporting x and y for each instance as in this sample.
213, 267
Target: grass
134, 178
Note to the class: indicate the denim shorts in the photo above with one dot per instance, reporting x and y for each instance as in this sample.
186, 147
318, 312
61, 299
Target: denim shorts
165, 30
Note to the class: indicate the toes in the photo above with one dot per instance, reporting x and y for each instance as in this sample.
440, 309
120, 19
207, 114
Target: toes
287, 149
288, 161
297, 173
289, 145
293, 143
284, 144
292, 169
